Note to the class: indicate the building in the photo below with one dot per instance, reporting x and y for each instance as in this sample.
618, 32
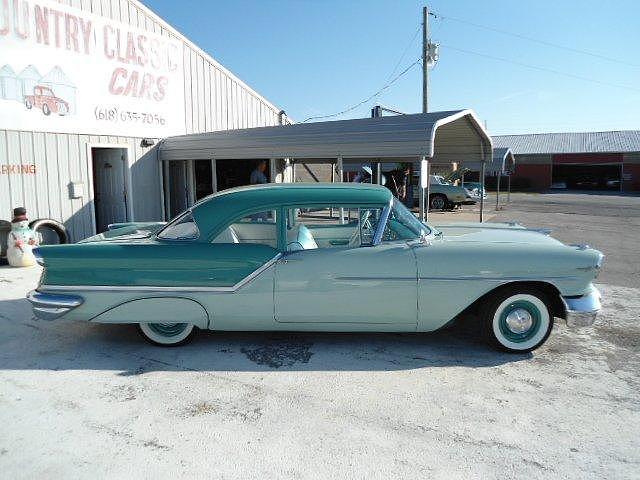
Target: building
87, 90
587, 160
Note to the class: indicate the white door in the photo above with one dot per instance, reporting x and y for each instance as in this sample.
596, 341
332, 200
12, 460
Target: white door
109, 186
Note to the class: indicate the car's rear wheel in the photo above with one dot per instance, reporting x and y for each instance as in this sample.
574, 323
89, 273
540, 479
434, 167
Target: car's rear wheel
167, 334
517, 320
437, 201
45, 109
28, 104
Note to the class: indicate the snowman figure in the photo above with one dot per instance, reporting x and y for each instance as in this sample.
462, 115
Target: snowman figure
21, 240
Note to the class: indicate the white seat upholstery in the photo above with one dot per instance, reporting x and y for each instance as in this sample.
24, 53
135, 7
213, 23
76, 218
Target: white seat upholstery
300, 238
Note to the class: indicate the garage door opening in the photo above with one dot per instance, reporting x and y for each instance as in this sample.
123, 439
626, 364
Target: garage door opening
109, 186
587, 177
235, 173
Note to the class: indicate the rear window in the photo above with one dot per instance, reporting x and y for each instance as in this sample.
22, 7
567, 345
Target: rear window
182, 228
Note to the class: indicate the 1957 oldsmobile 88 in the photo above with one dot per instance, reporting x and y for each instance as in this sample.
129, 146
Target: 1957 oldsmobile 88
318, 257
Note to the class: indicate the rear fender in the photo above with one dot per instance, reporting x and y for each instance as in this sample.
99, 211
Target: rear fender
156, 310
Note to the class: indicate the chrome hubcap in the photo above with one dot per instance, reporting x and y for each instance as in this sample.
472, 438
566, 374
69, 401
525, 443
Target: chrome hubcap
519, 321
168, 329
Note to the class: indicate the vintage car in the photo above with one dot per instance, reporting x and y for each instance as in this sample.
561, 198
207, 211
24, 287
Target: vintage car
443, 195
318, 257
475, 188
44, 99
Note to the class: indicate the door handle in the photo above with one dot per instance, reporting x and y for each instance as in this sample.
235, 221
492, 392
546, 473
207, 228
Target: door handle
284, 261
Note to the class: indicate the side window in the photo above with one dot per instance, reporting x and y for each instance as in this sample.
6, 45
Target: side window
182, 228
259, 227
330, 227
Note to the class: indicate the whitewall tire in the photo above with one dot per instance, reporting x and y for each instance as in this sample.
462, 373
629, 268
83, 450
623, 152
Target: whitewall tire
517, 321
167, 334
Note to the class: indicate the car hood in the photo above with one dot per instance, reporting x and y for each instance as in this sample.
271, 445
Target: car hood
494, 233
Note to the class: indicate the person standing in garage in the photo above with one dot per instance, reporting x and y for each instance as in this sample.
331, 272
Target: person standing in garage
258, 176
402, 185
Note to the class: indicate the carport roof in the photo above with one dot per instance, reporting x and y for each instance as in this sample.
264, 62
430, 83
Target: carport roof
502, 161
578, 142
443, 136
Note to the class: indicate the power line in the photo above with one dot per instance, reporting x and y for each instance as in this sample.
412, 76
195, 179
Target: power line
536, 40
542, 69
409, 45
353, 107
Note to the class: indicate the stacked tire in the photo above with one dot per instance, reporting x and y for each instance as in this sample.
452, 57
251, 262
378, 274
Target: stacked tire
49, 231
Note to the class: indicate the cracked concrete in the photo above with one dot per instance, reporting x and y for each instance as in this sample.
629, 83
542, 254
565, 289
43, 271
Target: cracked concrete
80, 400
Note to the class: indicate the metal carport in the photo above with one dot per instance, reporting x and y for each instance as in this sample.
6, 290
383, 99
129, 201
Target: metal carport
502, 163
443, 137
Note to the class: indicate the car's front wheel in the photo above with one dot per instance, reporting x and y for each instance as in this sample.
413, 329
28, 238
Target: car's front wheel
167, 334
437, 201
517, 320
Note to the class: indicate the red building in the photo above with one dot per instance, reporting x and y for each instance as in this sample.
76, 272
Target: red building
577, 161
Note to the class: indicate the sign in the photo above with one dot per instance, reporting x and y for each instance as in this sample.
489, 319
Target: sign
18, 169
66, 70
424, 174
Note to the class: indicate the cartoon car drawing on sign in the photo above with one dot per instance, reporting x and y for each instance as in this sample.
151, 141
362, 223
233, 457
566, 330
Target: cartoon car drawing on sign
318, 257
44, 99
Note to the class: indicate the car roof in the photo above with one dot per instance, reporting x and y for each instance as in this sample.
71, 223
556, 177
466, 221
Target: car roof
215, 211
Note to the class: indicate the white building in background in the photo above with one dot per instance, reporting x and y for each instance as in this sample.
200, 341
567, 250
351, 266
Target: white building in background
129, 79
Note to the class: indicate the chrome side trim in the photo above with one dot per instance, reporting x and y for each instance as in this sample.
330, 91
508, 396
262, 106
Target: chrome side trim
582, 311
49, 306
497, 279
377, 237
152, 288
377, 279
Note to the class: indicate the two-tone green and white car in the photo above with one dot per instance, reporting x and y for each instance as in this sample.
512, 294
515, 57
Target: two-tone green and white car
318, 257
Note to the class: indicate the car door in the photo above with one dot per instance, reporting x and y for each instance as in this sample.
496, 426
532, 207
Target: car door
340, 287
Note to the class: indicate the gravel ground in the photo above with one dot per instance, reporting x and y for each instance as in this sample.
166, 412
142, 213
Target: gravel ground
80, 400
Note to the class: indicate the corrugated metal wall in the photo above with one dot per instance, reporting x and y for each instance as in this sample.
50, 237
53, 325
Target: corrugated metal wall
214, 100
60, 159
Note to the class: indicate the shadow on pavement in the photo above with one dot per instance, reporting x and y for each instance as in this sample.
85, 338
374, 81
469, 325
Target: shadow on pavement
37, 345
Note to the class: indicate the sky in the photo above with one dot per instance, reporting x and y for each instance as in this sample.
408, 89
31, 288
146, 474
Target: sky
312, 57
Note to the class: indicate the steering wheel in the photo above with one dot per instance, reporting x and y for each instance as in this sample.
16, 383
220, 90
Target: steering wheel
365, 222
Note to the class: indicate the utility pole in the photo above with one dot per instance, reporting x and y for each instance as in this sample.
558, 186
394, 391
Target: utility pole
423, 199
425, 66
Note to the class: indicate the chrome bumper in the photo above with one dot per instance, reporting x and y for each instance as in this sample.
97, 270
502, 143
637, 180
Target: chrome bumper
49, 306
582, 311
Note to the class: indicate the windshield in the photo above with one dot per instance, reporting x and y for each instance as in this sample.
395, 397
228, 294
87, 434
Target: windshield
181, 228
437, 180
403, 224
